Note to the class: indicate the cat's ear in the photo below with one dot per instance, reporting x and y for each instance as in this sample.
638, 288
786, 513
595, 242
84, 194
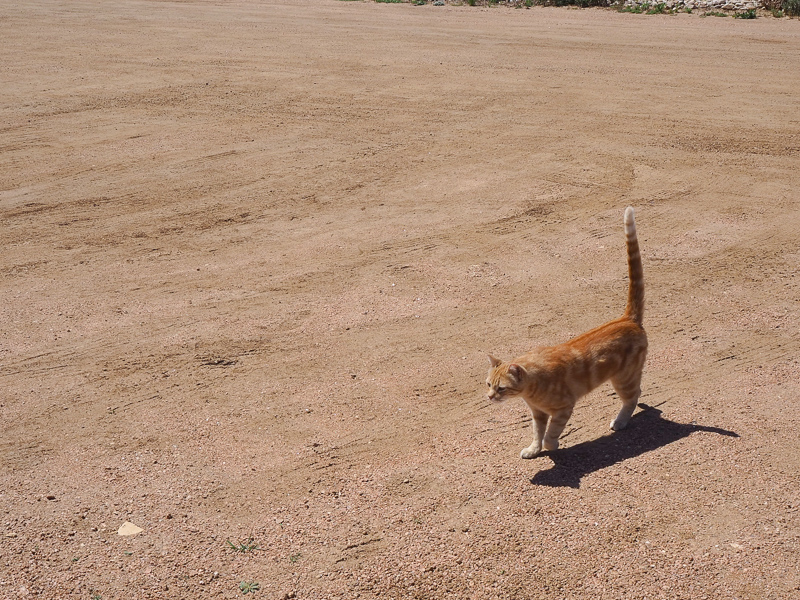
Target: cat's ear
517, 372
494, 361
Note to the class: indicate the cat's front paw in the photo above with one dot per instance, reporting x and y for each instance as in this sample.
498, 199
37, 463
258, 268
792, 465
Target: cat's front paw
617, 425
530, 452
551, 444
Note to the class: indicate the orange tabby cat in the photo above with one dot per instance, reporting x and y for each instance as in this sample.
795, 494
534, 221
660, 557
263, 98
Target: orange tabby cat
551, 379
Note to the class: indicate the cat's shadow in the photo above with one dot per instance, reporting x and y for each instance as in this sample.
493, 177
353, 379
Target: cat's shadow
647, 431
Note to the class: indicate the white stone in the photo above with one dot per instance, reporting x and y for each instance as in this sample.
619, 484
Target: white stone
128, 528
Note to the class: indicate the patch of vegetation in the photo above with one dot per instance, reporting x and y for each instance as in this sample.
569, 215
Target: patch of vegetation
791, 8
777, 13
248, 546
635, 9
714, 13
386, 2
248, 587
750, 13
660, 9
294, 558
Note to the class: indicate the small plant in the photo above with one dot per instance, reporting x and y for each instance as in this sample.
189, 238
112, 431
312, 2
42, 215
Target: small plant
249, 587
750, 13
777, 13
294, 558
389, 1
635, 9
659, 9
688, 10
247, 546
471, 2
714, 13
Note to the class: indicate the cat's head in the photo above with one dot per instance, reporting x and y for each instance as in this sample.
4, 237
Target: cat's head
504, 381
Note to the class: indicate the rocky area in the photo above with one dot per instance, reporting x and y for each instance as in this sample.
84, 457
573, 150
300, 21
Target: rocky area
255, 255
676, 5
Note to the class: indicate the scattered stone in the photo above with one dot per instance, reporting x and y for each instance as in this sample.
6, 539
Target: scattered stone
128, 528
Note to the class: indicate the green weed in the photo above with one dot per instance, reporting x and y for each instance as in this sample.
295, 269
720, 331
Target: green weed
791, 8
714, 13
659, 9
635, 9
248, 546
777, 13
294, 558
750, 13
249, 587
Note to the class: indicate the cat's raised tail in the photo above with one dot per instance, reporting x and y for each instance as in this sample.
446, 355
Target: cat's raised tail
635, 307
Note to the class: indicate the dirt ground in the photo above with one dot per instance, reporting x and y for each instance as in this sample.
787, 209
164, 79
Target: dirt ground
254, 255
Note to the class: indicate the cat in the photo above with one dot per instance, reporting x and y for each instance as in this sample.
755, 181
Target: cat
552, 379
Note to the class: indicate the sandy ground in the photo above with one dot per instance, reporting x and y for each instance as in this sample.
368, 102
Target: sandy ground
254, 255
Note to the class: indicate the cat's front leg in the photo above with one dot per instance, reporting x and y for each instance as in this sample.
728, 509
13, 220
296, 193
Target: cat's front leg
539, 427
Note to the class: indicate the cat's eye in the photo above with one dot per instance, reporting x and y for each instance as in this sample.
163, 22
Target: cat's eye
501, 389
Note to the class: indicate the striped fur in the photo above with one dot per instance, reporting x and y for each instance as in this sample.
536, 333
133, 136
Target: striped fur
552, 379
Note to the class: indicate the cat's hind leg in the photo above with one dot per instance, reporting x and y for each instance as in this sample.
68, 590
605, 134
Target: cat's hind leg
557, 423
629, 391
539, 427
